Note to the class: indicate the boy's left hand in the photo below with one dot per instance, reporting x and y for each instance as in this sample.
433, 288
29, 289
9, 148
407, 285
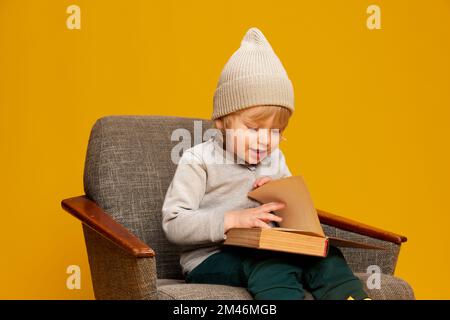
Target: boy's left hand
260, 181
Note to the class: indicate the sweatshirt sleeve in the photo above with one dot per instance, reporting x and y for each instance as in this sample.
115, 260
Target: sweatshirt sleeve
183, 221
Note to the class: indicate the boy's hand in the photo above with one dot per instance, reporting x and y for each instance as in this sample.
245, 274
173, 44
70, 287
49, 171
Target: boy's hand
260, 181
253, 217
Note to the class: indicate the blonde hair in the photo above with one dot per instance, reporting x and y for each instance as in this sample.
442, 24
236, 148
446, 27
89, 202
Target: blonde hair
260, 113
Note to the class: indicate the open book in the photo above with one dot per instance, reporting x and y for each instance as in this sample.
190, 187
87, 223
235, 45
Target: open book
300, 230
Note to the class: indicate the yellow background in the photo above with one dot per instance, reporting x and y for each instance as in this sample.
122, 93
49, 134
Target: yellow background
370, 133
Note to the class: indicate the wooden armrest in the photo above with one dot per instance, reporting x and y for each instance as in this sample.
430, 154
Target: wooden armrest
357, 227
94, 217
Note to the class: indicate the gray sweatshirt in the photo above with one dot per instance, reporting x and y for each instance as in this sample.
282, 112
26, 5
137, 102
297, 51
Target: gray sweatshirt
205, 186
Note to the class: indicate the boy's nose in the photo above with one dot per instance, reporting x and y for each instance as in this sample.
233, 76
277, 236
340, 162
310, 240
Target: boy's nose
263, 136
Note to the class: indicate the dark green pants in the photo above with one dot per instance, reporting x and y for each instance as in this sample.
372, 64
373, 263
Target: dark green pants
277, 275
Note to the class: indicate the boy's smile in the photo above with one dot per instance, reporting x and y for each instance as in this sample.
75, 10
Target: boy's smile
258, 154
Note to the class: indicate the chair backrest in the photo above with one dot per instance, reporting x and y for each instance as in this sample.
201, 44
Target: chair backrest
128, 170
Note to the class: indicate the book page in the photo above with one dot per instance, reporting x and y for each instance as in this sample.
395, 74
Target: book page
299, 213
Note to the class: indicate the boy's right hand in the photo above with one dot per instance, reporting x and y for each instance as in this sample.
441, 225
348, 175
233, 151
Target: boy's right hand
253, 217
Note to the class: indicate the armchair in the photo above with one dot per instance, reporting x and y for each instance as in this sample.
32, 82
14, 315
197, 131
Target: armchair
128, 169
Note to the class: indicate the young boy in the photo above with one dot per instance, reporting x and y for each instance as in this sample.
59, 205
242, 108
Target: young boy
208, 193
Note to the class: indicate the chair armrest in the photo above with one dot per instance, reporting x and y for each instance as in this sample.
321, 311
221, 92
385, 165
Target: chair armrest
357, 227
90, 214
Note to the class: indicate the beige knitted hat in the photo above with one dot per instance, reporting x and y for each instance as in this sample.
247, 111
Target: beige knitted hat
254, 75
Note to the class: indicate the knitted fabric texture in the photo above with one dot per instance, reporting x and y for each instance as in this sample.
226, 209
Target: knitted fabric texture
254, 75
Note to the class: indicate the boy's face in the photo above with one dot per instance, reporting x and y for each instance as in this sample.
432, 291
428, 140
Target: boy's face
249, 140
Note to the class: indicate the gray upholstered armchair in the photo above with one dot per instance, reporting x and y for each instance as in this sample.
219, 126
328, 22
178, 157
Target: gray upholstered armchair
127, 172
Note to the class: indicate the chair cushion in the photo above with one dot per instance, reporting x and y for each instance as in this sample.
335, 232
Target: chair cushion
171, 289
392, 288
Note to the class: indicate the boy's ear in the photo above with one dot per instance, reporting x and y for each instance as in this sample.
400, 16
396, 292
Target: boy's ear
219, 124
